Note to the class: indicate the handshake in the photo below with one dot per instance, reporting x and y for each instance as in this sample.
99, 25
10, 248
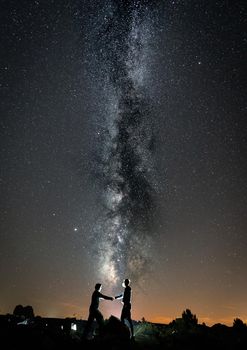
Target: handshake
116, 297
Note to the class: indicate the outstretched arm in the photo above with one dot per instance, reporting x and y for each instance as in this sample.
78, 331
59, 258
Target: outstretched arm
119, 296
105, 297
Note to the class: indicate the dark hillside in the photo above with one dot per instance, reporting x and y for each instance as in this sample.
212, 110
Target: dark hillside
54, 333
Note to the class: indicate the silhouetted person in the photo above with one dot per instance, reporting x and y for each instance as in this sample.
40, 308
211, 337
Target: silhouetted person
126, 300
94, 312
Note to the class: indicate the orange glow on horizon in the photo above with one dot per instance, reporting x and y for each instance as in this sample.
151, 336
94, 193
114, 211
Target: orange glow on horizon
140, 310
160, 319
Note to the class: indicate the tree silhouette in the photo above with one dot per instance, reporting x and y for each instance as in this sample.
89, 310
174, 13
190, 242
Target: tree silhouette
18, 310
239, 324
21, 311
188, 318
28, 311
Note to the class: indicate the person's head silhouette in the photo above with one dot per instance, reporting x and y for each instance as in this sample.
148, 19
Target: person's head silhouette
126, 282
98, 286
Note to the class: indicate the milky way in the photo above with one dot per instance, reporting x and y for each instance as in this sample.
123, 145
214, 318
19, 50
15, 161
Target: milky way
126, 135
123, 154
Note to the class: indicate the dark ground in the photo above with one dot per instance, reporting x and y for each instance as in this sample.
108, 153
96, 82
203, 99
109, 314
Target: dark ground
50, 333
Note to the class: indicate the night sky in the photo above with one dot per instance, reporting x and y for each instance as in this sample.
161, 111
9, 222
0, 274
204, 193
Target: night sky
123, 155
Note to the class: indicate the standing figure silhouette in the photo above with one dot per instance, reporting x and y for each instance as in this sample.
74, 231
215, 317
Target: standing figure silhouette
94, 312
126, 310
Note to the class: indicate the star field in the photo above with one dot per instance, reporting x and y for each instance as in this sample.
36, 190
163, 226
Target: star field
123, 154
